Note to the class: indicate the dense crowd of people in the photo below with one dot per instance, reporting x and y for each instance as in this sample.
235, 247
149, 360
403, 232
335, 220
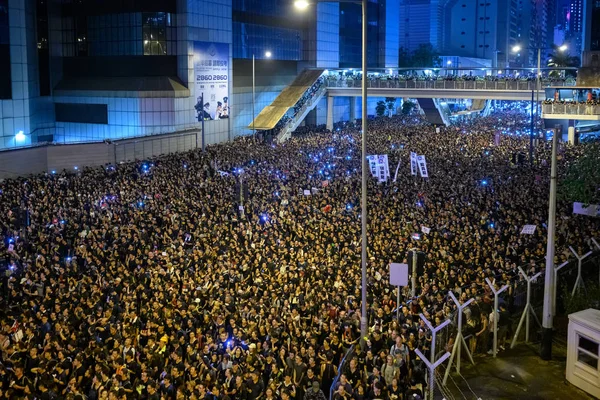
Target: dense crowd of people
152, 280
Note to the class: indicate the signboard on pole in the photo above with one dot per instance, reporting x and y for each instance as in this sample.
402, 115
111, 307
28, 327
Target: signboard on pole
398, 274
413, 163
422, 166
211, 76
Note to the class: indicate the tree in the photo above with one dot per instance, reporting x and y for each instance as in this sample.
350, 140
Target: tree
404, 58
390, 105
562, 59
380, 108
426, 56
582, 179
407, 107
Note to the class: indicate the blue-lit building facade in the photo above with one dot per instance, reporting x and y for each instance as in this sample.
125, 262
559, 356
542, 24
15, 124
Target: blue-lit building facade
96, 70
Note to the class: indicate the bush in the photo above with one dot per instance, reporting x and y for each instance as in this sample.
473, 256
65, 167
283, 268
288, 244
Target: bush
583, 299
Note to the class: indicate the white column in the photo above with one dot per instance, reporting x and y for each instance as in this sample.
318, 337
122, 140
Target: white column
352, 109
329, 113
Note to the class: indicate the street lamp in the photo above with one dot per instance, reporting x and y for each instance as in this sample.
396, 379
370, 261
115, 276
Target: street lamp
517, 48
302, 5
267, 55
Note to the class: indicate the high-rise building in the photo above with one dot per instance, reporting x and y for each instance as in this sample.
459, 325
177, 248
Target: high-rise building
93, 70
591, 26
484, 29
574, 27
423, 22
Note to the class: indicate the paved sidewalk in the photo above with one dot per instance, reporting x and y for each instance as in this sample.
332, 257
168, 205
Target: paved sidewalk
515, 374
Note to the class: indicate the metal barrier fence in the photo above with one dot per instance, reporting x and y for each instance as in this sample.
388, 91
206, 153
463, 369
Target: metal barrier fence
341, 369
446, 84
571, 109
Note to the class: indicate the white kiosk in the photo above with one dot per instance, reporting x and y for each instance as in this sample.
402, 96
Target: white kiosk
583, 351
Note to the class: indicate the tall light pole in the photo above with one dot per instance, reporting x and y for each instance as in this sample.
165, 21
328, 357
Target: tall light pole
538, 87
549, 283
267, 55
303, 4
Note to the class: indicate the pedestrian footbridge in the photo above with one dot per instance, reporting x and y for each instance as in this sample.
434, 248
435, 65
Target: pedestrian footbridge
293, 104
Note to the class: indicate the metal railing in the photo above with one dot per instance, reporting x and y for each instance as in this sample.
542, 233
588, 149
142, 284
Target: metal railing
292, 123
446, 84
341, 369
571, 109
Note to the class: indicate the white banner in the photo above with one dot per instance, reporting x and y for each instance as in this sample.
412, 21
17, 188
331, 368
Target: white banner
396, 174
413, 163
425, 230
592, 210
528, 229
422, 166
211, 73
379, 166
372, 165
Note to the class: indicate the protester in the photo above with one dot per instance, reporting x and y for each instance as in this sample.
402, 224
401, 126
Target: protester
145, 280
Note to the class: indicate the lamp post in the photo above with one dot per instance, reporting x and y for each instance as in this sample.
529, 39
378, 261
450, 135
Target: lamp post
303, 4
517, 49
549, 279
267, 55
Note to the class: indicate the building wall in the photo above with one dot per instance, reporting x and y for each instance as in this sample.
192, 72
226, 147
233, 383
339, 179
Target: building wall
72, 157
16, 112
390, 34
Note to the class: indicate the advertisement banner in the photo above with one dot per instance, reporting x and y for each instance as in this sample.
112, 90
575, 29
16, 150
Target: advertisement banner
211, 72
413, 163
422, 166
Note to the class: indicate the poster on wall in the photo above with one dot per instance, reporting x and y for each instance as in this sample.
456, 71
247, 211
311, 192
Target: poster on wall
211, 72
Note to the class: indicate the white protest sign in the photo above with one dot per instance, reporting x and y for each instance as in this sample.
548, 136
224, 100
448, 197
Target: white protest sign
425, 230
398, 274
379, 166
396, 174
306, 192
592, 210
413, 163
373, 164
422, 166
383, 168
528, 229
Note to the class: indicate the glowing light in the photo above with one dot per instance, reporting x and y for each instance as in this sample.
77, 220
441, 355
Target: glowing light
348, 207
53, 172
20, 136
268, 54
301, 4
484, 182
76, 168
564, 47
516, 49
